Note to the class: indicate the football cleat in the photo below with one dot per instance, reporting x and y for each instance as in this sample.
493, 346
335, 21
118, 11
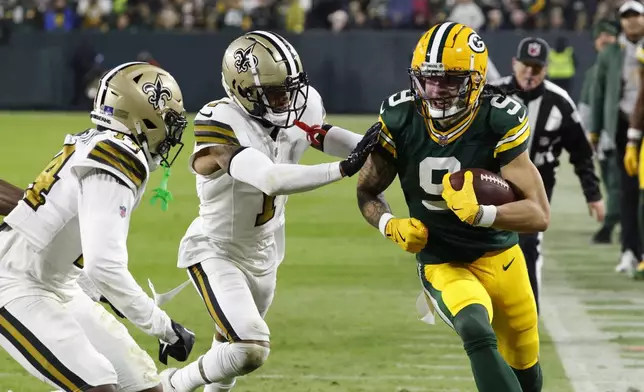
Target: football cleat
627, 263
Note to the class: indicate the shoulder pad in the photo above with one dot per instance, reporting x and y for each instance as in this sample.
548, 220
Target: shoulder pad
117, 154
219, 123
508, 119
314, 114
396, 110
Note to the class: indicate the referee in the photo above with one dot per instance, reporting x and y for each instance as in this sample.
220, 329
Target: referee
555, 125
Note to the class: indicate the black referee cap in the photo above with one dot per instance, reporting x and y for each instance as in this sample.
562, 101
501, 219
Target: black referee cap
533, 50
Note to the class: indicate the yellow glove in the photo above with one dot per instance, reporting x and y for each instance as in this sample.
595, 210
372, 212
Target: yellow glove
409, 233
464, 204
630, 159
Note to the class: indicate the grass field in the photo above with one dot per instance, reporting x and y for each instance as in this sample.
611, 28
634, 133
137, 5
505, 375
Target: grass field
344, 315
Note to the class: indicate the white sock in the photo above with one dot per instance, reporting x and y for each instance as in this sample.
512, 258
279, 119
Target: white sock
225, 385
220, 363
221, 386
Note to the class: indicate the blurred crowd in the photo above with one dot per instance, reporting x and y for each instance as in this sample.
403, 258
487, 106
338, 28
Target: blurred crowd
297, 15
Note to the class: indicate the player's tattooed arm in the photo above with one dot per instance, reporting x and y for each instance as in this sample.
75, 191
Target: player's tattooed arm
211, 159
10, 195
375, 177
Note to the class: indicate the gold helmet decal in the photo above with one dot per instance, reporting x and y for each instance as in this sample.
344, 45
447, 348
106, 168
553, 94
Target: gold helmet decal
448, 70
145, 102
263, 74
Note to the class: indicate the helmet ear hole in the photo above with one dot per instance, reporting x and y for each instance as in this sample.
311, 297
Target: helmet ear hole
149, 124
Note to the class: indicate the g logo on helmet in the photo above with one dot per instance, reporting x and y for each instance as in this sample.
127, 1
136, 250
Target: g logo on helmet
475, 42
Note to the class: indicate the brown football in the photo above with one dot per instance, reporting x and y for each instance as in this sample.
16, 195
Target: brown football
490, 188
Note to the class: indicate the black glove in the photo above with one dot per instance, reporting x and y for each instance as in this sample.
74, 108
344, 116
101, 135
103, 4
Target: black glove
179, 350
359, 155
116, 311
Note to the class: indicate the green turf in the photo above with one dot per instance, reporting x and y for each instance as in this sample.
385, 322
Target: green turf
344, 315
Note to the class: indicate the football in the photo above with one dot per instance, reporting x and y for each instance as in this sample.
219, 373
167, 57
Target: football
490, 188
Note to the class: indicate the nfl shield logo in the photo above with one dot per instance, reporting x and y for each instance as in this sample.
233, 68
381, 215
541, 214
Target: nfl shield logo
534, 49
123, 210
442, 140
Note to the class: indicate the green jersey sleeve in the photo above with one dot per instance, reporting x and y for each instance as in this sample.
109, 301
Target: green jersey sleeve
509, 121
394, 113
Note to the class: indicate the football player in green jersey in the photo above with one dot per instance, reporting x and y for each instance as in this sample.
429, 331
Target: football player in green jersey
471, 267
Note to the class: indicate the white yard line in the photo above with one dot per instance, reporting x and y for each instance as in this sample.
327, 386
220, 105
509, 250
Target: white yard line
591, 361
331, 377
432, 367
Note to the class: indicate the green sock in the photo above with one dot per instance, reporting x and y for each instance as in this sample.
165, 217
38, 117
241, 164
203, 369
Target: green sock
531, 379
491, 372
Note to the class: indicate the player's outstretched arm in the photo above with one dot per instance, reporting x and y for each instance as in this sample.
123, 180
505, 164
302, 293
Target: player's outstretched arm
10, 195
330, 139
104, 209
532, 213
255, 168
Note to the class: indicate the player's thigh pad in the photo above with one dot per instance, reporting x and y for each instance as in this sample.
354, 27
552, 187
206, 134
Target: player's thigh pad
451, 287
135, 369
42, 335
505, 277
228, 297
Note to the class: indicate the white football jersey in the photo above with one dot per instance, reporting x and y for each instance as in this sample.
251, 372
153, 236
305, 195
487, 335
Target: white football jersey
231, 210
47, 216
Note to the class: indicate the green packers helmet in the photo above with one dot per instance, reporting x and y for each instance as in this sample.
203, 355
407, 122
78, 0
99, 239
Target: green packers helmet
263, 74
145, 102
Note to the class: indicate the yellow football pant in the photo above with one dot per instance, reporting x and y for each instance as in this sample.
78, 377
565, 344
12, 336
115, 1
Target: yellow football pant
498, 281
640, 170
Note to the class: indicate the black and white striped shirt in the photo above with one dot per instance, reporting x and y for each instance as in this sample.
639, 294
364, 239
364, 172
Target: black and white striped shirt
555, 125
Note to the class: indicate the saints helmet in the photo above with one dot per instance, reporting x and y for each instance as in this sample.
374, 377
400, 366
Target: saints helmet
448, 70
263, 74
145, 102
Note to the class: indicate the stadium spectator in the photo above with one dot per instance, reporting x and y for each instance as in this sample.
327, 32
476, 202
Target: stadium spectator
297, 15
59, 16
468, 13
94, 13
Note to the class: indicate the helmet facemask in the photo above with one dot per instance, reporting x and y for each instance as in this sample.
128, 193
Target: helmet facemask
440, 93
280, 105
175, 124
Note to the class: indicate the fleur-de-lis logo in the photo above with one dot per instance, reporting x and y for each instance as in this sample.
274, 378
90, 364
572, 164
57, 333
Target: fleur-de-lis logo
157, 93
244, 58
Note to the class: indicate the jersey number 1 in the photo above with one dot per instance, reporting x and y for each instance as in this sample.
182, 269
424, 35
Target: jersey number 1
35, 194
268, 210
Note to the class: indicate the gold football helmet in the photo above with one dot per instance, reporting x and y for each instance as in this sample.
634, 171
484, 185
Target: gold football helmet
448, 70
263, 74
145, 102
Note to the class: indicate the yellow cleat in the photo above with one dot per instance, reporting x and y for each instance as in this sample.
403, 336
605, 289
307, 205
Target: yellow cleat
638, 274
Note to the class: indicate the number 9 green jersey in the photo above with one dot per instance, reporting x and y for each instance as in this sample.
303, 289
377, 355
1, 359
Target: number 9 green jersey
494, 133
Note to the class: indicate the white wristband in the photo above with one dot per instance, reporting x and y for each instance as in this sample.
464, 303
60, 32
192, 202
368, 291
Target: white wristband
382, 224
488, 215
633, 134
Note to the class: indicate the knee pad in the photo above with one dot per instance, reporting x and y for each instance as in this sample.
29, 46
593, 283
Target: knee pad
473, 326
248, 357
